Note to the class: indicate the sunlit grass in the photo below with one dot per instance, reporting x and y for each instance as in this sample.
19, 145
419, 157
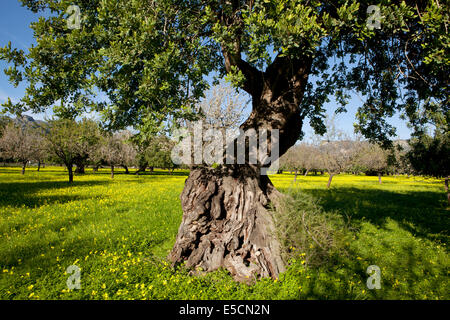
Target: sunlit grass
119, 232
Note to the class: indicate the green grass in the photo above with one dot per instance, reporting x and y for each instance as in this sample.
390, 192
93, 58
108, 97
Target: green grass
119, 232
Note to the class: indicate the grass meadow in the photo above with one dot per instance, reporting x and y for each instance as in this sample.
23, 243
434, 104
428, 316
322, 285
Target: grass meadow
118, 232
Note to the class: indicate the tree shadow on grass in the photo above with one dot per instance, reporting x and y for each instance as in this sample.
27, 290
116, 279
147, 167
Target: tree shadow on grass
422, 213
18, 194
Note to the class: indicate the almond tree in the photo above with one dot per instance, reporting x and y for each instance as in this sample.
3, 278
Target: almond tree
71, 141
152, 60
373, 158
116, 149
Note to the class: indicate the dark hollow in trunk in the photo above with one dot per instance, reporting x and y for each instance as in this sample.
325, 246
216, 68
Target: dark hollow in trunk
226, 223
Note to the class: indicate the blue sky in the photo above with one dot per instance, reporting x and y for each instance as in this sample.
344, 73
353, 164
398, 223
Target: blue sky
14, 26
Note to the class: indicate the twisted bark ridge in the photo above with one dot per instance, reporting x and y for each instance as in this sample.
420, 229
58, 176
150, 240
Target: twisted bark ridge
227, 223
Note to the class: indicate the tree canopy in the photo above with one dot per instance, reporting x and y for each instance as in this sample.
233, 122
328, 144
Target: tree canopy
152, 59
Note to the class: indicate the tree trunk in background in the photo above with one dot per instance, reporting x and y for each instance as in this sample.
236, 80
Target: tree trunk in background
329, 180
24, 164
39, 166
379, 177
295, 177
80, 168
306, 172
151, 169
141, 169
126, 169
112, 171
70, 170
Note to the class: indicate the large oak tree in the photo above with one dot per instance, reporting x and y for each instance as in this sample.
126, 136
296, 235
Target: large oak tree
152, 59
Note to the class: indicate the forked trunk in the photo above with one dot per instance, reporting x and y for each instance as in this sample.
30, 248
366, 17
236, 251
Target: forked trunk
227, 223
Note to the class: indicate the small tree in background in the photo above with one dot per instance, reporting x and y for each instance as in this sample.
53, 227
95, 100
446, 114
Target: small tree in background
116, 150
21, 144
335, 157
71, 141
300, 157
158, 154
373, 158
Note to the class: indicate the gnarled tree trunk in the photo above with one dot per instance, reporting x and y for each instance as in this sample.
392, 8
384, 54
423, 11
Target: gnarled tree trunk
227, 223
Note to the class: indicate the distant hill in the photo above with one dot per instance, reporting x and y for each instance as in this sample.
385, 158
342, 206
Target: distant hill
29, 121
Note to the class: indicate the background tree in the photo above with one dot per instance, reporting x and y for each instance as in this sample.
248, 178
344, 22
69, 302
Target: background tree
69, 141
22, 144
374, 159
128, 150
152, 58
335, 157
158, 154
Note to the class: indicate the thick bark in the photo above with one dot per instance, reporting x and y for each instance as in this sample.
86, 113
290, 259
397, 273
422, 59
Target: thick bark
226, 223
126, 169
